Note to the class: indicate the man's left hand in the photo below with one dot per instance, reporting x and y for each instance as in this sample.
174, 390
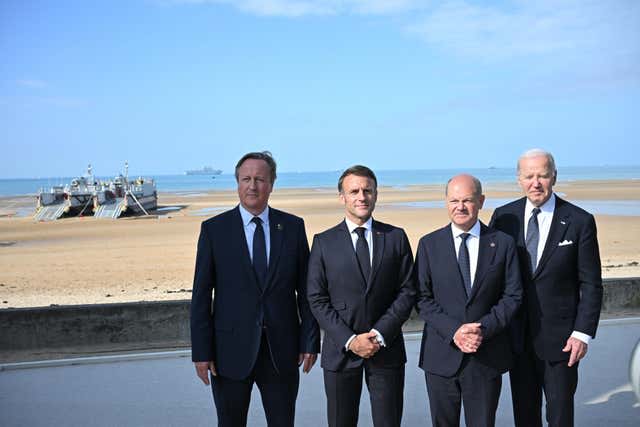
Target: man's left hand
577, 348
309, 359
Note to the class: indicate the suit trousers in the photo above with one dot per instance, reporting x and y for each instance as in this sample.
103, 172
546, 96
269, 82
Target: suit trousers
278, 393
529, 377
472, 387
343, 390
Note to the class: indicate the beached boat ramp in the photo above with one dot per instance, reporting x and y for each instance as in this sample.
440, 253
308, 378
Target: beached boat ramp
86, 195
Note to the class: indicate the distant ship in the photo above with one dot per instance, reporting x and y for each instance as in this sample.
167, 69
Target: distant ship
207, 170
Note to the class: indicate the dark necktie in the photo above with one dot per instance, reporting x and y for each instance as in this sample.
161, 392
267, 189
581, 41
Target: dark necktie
362, 252
532, 239
464, 263
259, 252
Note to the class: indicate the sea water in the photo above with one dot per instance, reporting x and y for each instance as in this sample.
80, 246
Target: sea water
329, 179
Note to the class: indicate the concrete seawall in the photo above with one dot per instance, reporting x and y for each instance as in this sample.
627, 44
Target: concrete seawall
78, 328
143, 325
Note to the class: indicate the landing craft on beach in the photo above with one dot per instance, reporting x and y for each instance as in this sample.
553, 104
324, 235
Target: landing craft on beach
74, 199
79, 194
123, 196
108, 199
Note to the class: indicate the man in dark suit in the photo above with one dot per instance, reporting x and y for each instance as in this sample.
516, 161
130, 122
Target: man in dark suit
560, 266
258, 328
360, 291
469, 289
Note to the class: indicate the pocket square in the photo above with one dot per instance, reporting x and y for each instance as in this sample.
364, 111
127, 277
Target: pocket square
565, 243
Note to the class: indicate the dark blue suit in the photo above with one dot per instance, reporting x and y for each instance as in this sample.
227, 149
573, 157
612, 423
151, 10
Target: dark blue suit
563, 295
347, 303
246, 326
444, 306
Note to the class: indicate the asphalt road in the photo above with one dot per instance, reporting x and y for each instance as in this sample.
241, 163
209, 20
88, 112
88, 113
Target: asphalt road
164, 391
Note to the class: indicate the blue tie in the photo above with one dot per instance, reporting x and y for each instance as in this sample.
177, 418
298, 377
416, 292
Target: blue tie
464, 263
259, 252
532, 239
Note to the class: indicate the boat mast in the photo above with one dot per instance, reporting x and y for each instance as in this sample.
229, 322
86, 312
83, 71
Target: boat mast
128, 188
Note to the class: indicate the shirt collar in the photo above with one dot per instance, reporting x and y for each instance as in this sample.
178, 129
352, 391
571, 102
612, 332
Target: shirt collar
352, 225
474, 231
547, 208
248, 216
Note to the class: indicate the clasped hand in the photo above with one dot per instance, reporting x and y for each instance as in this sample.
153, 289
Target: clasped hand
468, 337
365, 345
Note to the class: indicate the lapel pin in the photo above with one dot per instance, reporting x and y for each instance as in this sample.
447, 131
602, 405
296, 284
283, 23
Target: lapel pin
279, 227
563, 223
493, 245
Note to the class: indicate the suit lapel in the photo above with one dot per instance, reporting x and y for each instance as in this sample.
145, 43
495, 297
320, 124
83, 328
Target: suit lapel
378, 238
520, 212
276, 236
449, 256
486, 255
241, 248
559, 224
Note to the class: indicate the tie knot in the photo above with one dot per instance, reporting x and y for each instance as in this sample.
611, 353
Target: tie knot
535, 211
464, 236
256, 220
360, 232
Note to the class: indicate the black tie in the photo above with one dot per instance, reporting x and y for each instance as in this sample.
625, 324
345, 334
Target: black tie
463, 262
259, 252
362, 252
532, 239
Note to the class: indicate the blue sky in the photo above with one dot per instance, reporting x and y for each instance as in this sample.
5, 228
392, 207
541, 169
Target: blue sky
171, 85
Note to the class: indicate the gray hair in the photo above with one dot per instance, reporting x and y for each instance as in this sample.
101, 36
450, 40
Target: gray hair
538, 152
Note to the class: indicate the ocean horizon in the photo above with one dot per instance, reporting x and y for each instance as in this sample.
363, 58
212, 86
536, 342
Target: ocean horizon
394, 178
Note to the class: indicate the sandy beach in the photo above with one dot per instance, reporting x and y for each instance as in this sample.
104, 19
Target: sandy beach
85, 260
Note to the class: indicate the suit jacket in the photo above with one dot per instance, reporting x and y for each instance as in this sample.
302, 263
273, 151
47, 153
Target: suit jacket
229, 330
444, 305
345, 302
565, 292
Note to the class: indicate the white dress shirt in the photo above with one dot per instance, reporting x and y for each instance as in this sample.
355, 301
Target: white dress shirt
545, 217
473, 244
250, 229
351, 226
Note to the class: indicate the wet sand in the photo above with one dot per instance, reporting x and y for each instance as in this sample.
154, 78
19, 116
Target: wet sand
85, 260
